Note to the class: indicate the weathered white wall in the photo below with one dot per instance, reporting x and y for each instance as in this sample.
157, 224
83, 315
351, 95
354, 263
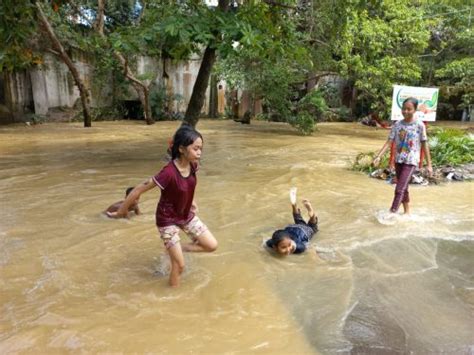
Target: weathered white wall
17, 96
181, 78
51, 85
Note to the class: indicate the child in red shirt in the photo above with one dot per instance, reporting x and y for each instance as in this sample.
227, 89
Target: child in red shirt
176, 208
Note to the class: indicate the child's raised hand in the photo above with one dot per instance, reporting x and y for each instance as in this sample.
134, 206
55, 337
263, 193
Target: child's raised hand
293, 191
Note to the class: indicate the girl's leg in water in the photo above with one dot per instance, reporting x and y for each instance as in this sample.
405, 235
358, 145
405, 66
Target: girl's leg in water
203, 240
203, 243
404, 173
406, 207
406, 202
177, 264
297, 215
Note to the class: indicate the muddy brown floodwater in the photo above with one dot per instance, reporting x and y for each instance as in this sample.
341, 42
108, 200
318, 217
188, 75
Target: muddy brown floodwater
72, 280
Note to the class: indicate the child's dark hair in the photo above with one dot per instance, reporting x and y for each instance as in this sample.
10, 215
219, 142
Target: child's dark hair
128, 191
278, 236
411, 100
184, 136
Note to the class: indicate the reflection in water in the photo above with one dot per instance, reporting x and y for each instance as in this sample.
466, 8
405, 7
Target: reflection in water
73, 280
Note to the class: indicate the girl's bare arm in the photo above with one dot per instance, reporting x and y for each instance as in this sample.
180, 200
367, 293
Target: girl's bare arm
382, 152
131, 198
426, 150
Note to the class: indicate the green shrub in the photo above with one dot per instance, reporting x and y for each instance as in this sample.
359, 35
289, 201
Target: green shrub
447, 147
450, 147
160, 103
314, 104
303, 122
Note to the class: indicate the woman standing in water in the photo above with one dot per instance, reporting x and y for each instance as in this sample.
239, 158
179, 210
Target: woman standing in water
410, 137
176, 208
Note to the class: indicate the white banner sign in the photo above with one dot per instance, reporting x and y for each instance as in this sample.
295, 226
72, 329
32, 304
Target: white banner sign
427, 102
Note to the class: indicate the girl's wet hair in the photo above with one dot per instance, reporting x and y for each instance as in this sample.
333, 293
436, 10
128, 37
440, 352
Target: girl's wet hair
184, 136
278, 236
411, 100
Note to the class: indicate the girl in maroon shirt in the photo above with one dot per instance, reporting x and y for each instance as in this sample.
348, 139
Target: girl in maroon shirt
176, 208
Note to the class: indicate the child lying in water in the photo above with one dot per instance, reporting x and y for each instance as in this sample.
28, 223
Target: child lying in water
114, 207
295, 237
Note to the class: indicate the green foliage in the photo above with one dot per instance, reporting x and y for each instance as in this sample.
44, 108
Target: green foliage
161, 102
263, 52
381, 52
331, 95
17, 31
313, 104
451, 147
303, 122
373, 44
267, 49
447, 147
448, 61
459, 76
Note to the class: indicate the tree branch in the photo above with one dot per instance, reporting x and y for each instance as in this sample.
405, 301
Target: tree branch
99, 21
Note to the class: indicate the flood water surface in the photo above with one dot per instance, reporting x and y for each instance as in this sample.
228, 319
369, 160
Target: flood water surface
72, 280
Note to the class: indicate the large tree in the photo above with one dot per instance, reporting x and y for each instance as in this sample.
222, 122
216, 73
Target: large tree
59, 50
448, 61
24, 27
259, 28
268, 58
115, 42
378, 45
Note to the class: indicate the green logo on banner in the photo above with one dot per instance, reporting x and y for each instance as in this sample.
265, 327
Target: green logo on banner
428, 103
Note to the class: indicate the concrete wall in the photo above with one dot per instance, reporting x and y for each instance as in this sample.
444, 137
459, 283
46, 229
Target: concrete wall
51, 85
16, 96
179, 79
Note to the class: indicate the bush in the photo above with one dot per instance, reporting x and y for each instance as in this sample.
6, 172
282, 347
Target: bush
160, 103
314, 104
303, 122
447, 147
450, 147
331, 95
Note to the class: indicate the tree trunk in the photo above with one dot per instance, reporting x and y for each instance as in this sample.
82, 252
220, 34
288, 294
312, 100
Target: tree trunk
200, 86
59, 51
99, 22
147, 106
353, 102
213, 97
142, 90
202, 81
